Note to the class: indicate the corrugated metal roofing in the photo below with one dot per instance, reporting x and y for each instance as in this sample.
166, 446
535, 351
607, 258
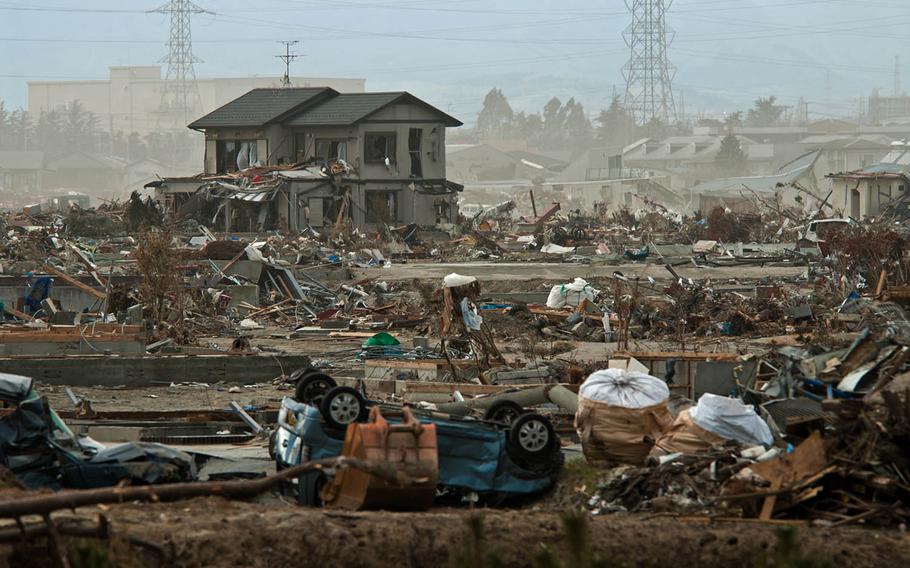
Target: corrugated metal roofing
261, 106
786, 175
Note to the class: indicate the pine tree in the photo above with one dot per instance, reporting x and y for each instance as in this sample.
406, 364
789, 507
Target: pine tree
495, 119
730, 160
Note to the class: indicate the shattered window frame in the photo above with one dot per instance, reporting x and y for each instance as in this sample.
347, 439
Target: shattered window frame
339, 144
415, 146
226, 159
370, 139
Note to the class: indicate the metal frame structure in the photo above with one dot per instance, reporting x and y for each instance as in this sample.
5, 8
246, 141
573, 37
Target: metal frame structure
649, 74
180, 94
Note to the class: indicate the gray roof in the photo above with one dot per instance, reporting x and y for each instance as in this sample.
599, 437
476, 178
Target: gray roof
17, 160
262, 106
350, 108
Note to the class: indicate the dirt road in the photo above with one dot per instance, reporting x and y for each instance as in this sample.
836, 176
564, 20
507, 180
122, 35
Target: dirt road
214, 532
566, 272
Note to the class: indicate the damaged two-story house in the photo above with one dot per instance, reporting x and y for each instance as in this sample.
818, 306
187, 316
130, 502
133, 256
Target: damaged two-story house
294, 158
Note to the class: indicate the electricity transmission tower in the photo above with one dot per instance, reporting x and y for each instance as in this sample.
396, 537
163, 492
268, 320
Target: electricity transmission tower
180, 96
649, 74
287, 57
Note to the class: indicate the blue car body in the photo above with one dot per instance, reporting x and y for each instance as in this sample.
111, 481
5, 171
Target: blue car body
472, 454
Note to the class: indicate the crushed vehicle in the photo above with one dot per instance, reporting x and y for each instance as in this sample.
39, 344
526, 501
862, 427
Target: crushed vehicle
479, 459
42, 452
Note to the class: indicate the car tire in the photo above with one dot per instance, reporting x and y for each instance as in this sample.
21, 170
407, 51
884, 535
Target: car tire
312, 387
532, 439
342, 406
503, 412
309, 488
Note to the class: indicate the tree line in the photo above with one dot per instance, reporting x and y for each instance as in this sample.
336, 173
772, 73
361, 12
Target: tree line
566, 126
72, 128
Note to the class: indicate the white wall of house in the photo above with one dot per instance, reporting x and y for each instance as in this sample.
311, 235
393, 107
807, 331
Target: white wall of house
865, 197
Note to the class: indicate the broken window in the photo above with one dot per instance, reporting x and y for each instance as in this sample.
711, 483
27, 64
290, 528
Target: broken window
381, 206
328, 149
378, 147
234, 155
300, 147
414, 139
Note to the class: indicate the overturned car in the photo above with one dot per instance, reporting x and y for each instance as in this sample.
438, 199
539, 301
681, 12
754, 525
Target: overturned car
479, 459
42, 452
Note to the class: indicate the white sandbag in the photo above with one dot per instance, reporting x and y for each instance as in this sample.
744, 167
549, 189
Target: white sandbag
731, 419
455, 280
626, 389
571, 294
620, 414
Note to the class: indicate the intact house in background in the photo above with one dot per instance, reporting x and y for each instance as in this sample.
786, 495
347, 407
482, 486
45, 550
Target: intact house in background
298, 158
21, 172
600, 178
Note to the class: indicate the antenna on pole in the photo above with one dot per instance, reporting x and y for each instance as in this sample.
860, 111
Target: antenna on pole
287, 57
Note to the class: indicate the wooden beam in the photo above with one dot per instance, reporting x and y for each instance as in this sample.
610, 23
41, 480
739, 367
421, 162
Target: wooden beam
73, 282
14, 312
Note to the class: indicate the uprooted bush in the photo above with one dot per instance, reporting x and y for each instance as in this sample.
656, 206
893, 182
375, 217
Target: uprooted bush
93, 223
157, 261
864, 250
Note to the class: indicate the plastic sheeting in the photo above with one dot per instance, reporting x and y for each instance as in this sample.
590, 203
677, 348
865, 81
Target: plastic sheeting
626, 389
556, 249
455, 280
731, 419
472, 320
571, 294
620, 413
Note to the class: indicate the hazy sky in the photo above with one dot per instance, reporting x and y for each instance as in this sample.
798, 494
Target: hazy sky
450, 52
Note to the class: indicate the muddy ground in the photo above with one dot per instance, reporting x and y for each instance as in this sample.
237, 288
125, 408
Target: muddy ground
215, 532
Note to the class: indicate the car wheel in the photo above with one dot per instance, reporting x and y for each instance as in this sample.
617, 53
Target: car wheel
503, 412
342, 406
309, 488
312, 387
531, 438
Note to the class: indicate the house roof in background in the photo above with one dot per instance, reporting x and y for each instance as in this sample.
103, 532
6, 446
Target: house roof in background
549, 162
20, 160
844, 142
595, 158
86, 161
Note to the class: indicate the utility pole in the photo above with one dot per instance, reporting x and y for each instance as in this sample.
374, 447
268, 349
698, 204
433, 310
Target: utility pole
180, 95
649, 74
897, 75
287, 57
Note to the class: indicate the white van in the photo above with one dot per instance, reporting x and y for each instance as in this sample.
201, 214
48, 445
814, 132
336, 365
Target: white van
816, 231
